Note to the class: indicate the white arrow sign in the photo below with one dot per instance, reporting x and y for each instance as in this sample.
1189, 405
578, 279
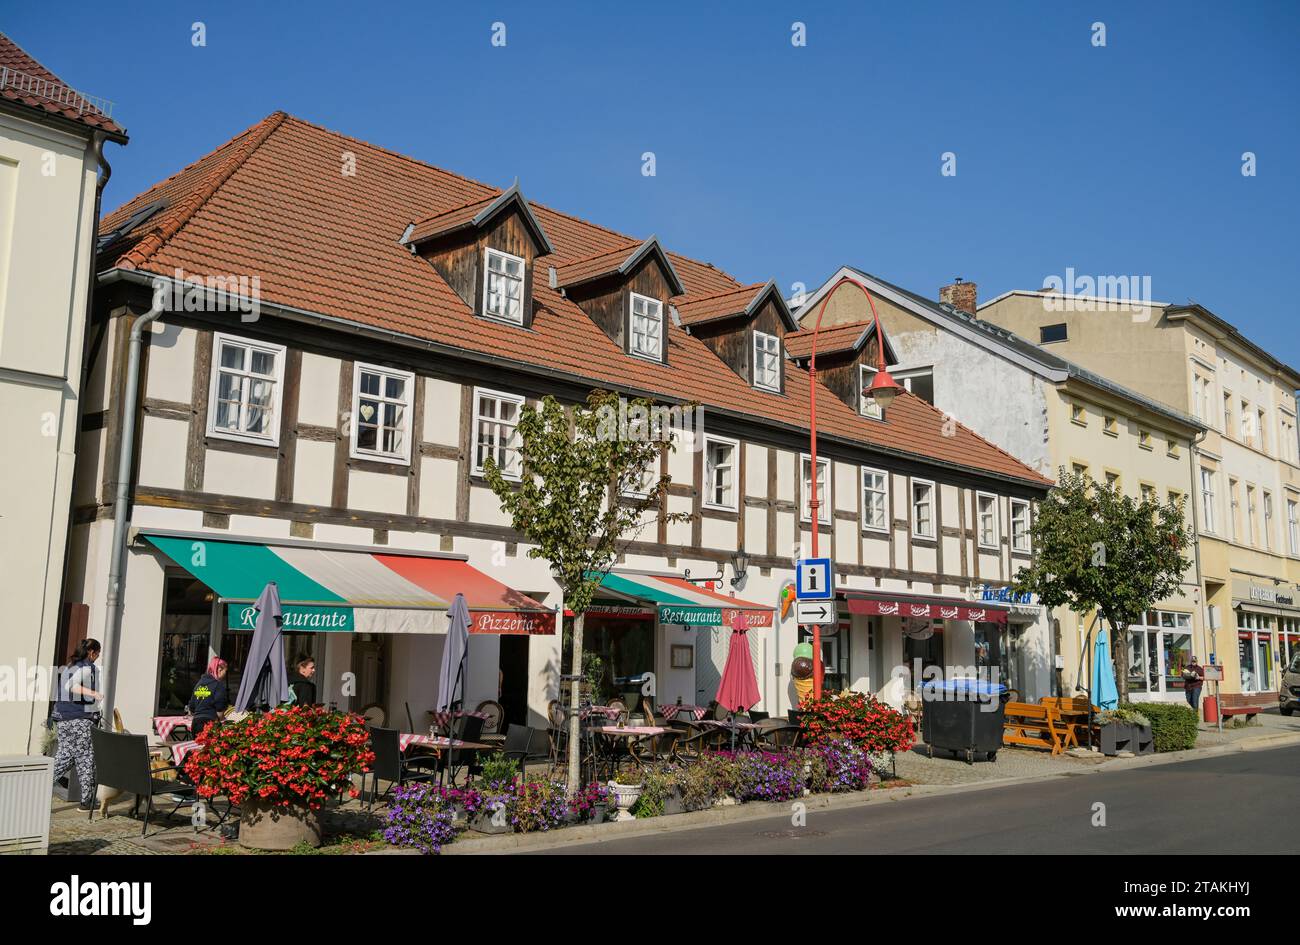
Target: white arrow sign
816, 611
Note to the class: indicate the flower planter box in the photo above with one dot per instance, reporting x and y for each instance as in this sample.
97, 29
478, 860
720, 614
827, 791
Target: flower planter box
264, 826
1144, 743
1116, 737
673, 803
487, 821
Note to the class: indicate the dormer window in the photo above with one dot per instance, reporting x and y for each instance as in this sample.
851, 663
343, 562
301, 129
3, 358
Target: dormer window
503, 286
645, 338
867, 406
767, 361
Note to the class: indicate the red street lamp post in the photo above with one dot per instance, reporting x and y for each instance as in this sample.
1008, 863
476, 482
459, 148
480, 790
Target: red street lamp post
882, 390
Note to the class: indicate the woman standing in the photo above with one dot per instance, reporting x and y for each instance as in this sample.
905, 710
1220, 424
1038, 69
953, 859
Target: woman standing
210, 698
75, 714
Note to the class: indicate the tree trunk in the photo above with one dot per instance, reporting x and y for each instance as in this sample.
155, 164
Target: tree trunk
1119, 659
575, 693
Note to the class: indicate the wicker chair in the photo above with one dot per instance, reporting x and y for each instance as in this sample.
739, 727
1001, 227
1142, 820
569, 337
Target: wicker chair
495, 716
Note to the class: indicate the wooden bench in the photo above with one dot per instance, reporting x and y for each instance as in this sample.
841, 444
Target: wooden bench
1247, 704
1249, 711
1038, 726
1073, 711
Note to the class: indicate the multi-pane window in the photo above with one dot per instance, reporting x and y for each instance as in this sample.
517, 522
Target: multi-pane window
1287, 438
381, 409
1207, 499
246, 389
1261, 425
823, 488
867, 406
720, 472
1268, 521
1020, 525
767, 361
922, 508
1247, 433
1293, 525
647, 323
1234, 510
986, 507
875, 499
503, 286
1250, 514
496, 432
1227, 414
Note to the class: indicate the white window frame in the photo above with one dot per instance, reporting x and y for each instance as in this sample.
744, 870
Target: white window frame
402, 457
631, 321
1266, 510
869, 491
518, 400
488, 253
1207, 499
709, 502
763, 352
1016, 543
867, 406
805, 488
277, 399
911, 498
1293, 524
979, 524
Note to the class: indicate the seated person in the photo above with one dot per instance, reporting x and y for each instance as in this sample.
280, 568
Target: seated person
210, 698
301, 680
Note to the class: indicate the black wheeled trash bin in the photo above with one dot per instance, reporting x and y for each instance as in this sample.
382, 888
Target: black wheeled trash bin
964, 716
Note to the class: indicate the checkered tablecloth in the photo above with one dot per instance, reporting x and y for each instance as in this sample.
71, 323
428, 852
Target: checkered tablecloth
406, 740
608, 711
164, 724
719, 723
632, 730
182, 749
672, 710
443, 719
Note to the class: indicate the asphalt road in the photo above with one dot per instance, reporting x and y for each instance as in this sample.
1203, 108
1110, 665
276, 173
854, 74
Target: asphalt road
1243, 802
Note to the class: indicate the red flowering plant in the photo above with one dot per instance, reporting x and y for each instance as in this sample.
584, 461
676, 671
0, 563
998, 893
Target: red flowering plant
292, 756
857, 717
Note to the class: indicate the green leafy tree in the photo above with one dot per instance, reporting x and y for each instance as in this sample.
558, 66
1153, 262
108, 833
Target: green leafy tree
588, 488
1098, 549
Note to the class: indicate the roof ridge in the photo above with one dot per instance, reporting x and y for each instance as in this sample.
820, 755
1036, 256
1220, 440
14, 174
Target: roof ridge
192, 202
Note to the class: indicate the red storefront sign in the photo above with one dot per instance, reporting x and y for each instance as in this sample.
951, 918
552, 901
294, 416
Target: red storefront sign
934, 610
512, 622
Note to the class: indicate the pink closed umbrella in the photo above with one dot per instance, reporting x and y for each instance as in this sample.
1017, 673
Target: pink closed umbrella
738, 691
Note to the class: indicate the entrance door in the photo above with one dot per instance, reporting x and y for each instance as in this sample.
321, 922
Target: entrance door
514, 679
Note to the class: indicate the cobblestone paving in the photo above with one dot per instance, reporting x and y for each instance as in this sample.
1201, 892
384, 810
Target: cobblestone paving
943, 768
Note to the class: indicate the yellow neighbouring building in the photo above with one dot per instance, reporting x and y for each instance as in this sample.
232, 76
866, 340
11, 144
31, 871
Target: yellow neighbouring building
1247, 464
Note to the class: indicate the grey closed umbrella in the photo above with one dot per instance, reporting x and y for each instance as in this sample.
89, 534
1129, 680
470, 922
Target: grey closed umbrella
455, 655
265, 681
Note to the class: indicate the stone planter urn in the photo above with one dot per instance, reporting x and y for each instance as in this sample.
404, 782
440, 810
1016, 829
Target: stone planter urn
263, 826
625, 796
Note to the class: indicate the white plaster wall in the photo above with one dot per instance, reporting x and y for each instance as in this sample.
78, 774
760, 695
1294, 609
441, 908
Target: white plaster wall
442, 411
162, 452
229, 473
376, 492
313, 473
319, 391
171, 362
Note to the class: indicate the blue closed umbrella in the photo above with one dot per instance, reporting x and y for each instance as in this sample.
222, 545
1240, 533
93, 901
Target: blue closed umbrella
265, 683
1104, 693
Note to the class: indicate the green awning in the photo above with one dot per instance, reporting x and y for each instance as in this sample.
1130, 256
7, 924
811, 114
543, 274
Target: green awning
679, 601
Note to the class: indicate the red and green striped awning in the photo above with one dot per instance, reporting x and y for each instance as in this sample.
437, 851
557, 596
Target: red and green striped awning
680, 601
333, 589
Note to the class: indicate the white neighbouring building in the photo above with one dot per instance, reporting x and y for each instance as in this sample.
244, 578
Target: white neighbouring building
50, 137
336, 445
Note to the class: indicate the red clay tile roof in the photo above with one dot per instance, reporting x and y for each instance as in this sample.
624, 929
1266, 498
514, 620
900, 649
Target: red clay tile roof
832, 340
38, 87
445, 221
448, 220
271, 203
719, 305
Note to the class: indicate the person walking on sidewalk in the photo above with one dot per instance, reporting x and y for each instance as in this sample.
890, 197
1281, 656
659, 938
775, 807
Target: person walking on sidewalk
75, 714
1193, 680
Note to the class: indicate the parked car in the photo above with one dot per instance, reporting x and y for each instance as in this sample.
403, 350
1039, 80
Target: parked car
1288, 694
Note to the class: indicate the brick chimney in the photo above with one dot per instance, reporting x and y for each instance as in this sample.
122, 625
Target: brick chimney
960, 295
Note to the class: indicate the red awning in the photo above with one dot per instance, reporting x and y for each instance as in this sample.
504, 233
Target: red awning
934, 608
493, 607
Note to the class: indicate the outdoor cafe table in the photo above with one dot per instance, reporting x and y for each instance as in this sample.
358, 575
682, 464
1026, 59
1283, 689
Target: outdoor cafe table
629, 732
442, 718
182, 750
672, 710
438, 743
165, 724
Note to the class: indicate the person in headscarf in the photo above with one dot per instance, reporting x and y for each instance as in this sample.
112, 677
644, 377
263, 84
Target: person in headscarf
75, 713
211, 697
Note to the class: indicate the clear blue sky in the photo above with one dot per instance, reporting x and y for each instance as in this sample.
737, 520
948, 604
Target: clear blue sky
776, 161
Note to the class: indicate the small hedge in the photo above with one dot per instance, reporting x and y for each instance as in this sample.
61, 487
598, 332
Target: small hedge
1173, 725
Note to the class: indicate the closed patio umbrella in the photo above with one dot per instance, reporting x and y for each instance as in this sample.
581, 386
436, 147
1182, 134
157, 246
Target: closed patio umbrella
455, 656
1104, 693
265, 683
738, 690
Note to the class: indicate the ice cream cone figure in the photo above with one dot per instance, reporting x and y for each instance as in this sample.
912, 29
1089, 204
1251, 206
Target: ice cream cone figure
804, 688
